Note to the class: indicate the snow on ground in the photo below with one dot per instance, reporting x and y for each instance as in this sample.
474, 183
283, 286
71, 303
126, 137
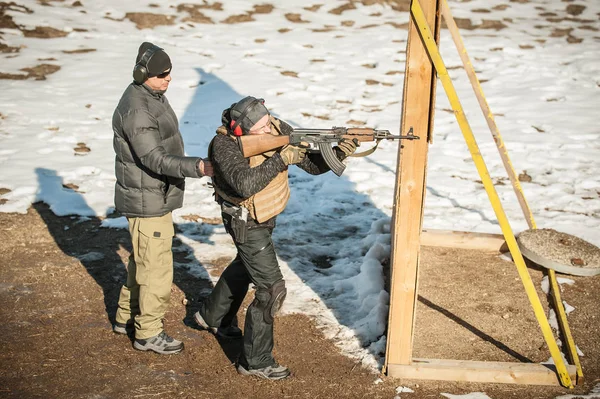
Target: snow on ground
594, 394
316, 68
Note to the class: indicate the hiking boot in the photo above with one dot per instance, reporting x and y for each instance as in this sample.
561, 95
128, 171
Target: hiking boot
274, 372
160, 343
229, 332
122, 328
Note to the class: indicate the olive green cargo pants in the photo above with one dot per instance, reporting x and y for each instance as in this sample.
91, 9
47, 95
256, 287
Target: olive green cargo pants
145, 296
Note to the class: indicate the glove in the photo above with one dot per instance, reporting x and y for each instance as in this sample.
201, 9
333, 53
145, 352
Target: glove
292, 155
348, 147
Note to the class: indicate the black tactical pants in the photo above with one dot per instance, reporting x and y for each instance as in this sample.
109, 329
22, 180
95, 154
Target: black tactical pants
255, 263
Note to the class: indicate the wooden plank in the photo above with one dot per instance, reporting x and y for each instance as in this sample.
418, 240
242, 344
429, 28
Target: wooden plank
487, 112
476, 371
463, 240
407, 215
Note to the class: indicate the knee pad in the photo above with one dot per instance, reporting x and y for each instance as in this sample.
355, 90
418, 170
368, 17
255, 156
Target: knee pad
270, 300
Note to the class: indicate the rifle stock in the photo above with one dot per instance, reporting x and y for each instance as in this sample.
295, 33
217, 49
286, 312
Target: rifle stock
257, 144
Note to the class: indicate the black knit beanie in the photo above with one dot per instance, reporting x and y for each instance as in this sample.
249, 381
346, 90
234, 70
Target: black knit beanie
158, 63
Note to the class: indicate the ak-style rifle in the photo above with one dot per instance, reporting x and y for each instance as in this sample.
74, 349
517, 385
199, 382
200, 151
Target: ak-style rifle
318, 140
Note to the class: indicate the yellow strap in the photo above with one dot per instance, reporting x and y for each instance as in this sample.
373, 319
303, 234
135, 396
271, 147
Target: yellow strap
562, 319
442, 72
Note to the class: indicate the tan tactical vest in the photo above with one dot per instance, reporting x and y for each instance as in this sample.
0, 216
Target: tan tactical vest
272, 199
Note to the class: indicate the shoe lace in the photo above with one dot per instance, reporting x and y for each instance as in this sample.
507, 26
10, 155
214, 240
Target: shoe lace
274, 367
163, 335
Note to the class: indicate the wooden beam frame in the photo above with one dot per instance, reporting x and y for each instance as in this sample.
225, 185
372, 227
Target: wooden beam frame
463, 240
475, 371
407, 238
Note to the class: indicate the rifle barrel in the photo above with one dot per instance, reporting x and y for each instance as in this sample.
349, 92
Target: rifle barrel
374, 134
397, 137
315, 131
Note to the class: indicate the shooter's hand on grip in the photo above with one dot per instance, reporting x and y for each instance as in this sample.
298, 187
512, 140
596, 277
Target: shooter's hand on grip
348, 147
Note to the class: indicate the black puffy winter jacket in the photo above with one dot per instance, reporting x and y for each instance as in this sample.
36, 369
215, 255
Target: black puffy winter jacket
150, 164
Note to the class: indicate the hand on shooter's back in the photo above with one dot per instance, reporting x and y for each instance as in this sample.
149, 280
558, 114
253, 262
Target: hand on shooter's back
205, 167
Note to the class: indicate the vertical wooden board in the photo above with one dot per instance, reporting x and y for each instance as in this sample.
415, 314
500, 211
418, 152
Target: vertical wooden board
437, 29
409, 193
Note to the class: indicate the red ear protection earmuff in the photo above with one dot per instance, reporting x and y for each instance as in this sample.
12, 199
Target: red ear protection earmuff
234, 125
237, 130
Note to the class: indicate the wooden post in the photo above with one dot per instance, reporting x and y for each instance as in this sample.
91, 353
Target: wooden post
409, 196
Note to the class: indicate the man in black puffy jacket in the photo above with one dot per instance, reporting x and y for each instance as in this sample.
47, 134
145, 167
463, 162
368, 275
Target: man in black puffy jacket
151, 168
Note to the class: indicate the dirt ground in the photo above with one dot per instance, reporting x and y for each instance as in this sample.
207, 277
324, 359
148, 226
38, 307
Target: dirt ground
58, 304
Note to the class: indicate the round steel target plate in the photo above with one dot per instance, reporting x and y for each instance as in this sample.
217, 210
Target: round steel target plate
560, 251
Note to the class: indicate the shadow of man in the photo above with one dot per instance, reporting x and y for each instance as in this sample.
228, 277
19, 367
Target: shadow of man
104, 252
76, 230
193, 278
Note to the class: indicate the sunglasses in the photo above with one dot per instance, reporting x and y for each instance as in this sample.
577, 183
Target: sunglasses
164, 74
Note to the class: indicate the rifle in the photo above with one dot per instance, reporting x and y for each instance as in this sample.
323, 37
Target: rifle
318, 140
